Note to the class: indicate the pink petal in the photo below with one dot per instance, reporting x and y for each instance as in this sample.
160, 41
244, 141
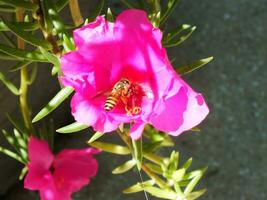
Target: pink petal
40, 160
169, 114
137, 130
74, 168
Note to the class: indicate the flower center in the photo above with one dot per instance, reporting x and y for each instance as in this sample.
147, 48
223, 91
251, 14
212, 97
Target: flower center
128, 93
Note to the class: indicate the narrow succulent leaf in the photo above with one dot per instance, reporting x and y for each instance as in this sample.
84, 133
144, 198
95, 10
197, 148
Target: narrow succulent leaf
96, 12
60, 4
4, 56
23, 54
26, 26
189, 188
153, 157
128, 3
11, 140
48, 22
96, 136
139, 187
172, 34
178, 175
18, 124
50, 57
7, 8
195, 129
138, 152
174, 158
54, 103
11, 154
54, 17
68, 43
178, 40
110, 17
33, 74
160, 193
168, 10
154, 168
28, 37
9, 84
187, 164
124, 167
71, 128
193, 66
155, 19
8, 39
196, 194
20, 65
193, 174
23, 173
20, 140
20, 4
111, 148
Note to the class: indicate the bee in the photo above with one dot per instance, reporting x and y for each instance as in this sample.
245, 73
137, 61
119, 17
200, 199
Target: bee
120, 91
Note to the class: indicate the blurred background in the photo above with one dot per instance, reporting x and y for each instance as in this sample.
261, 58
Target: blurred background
233, 139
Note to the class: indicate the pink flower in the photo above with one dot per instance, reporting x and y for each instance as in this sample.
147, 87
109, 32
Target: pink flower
128, 51
57, 177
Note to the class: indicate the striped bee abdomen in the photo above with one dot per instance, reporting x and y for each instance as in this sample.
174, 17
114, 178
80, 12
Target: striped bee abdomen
110, 103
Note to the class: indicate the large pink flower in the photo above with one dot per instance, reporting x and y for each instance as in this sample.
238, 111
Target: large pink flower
57, 177
128, 50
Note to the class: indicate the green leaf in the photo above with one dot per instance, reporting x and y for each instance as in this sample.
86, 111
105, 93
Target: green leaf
4, 56
128, 3
110, 17
20, 65
187, 164
155, 19
11, 140
195, 129
96, 12
33, 74
138, 152
50, 57
168, 10
139, 187
23, 173
9, 84
96, 136
193, 174
26, 26
23, 54
155, 168
74, 127
111, 148
192, 184
178, 175
196, 194
178, 40
193, 66
22, 143
18, 124
28, 37
6, 8
174, 159
54, 103
68, 43
8, 39
160, 193
11, 154
172, 34
20, 4
124, 167
60, 4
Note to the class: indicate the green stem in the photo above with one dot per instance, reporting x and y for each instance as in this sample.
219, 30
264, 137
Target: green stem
24, 83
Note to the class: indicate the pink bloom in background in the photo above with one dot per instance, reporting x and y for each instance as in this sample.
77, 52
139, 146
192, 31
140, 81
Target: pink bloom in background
130, 51
57, 177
